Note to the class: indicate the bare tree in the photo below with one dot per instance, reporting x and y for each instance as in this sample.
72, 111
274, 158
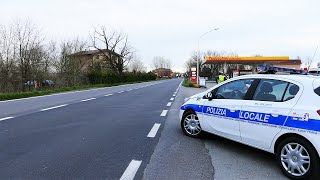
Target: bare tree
161, 62
190, 63
69, 67
308, 62
7, 59
28, 49
114, 47
136, 65
24, 57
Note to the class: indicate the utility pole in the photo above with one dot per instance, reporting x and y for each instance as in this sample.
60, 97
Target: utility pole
198, 58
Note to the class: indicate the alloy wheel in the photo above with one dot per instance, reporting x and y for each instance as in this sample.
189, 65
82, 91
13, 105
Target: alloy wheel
191, 125
295, 159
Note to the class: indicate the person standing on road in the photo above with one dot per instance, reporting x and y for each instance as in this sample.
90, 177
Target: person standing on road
221, 77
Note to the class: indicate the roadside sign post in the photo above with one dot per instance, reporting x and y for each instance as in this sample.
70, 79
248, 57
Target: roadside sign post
202, 81
193, 74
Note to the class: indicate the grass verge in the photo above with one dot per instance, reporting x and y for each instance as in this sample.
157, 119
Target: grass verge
19, 95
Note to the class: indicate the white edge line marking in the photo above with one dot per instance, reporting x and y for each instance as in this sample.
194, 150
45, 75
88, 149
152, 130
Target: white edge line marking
154, 130
164, 113
169, 104
87, 99
131, 170
6, 118
55, 107
108, 95
171, 99
71, 92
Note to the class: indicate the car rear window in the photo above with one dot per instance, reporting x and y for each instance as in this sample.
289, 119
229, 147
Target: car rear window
316, 86
275, 91
317, 91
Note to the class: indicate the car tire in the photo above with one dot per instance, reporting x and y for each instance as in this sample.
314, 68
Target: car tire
298, 159
190, 124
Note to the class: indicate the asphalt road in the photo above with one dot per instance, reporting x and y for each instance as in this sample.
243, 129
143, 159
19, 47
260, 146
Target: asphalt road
180, 157
91, 134
111, 133
33, 104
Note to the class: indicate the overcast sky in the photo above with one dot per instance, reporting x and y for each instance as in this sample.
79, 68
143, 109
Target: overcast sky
171, 28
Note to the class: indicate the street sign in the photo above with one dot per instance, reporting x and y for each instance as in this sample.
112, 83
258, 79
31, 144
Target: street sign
193, 74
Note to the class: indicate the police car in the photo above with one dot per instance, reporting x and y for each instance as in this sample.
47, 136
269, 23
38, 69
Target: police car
279, 114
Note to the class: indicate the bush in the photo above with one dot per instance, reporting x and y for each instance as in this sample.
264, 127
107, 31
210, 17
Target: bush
187, 83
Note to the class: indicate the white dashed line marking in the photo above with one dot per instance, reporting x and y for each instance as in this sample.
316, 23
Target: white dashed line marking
6, 118
88, 99
169, 104
120, 92
164, 113
131, 170
55, 107
154, 130
108, 95
171, 99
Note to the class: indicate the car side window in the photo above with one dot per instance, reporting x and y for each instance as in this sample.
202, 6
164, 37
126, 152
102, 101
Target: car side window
291, 92
270, 90
234, 90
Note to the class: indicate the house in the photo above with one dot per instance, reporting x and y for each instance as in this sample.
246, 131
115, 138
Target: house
93, 59
163, 72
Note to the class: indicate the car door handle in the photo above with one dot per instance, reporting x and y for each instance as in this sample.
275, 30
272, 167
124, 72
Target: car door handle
275, 113
233, 109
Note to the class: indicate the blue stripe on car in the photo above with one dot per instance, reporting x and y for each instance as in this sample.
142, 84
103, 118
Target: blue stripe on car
280, 120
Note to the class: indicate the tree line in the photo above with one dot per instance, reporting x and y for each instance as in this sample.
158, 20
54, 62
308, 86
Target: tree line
26, 57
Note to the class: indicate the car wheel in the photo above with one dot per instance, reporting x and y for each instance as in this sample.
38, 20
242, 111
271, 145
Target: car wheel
190, 124
297, 158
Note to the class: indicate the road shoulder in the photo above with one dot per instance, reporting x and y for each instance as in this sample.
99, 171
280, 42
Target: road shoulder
176, 155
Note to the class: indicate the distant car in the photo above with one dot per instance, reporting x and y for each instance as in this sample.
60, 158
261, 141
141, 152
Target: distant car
44, 83
279, 114
314, 71
49, 83
30, 83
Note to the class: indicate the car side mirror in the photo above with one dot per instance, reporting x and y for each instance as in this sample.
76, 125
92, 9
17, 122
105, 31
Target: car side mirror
209, 96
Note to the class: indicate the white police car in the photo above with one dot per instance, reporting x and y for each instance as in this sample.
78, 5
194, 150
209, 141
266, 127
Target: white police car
276, 113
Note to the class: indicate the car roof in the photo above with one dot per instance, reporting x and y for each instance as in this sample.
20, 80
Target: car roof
294, 77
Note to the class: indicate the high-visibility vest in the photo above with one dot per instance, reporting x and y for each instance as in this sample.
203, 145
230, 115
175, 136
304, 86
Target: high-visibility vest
221, 78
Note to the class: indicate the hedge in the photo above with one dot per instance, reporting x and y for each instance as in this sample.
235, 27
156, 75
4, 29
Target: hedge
97, 79
109, 77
